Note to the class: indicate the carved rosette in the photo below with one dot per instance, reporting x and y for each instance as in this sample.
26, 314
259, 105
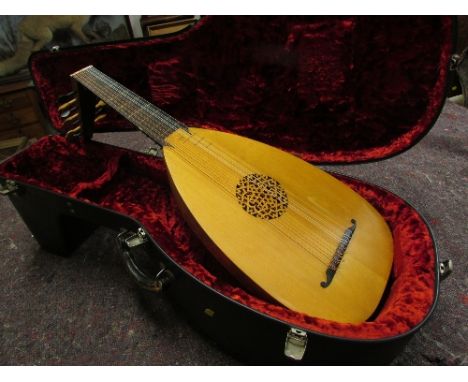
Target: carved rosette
261, 196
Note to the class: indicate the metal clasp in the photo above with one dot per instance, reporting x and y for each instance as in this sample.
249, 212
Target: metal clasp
457, 58
445, 268
454, 61
133, 239
295, 344
129, 240
9, 187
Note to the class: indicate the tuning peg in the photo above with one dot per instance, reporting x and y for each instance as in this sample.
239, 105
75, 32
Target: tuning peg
66, 113
73, 122
73, 132
71, 118
66, 97
99, 110
66, 105
100, 104
73, 125
99, 107
100, 117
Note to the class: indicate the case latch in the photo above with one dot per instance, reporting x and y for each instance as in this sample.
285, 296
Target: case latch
8, 187
445, 268
456, 59
129, 240
133, 239
295, 344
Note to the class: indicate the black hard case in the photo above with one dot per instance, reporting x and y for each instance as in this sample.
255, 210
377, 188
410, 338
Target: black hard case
60, 224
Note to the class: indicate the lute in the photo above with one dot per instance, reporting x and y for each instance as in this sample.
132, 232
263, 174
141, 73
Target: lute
288, 231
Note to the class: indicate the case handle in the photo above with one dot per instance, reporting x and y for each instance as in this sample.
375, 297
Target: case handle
128, 240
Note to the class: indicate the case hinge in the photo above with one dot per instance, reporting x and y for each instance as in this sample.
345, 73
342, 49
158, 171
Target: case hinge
295, 344
8, 187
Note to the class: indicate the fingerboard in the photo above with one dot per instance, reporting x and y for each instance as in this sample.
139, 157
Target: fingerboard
145, 116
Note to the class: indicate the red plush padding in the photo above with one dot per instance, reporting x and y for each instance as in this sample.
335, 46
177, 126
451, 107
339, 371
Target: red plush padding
329, 89
137, 185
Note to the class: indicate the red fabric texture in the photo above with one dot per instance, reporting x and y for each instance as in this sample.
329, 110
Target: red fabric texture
329, 89
137, 185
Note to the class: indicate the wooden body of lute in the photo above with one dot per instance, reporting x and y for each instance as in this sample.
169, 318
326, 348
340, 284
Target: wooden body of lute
287, 230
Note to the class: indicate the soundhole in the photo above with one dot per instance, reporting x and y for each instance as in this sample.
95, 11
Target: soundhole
261, 196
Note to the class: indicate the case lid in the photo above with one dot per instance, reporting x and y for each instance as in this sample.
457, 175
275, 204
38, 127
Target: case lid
329, 89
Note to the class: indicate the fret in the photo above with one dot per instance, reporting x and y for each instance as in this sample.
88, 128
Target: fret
148, 118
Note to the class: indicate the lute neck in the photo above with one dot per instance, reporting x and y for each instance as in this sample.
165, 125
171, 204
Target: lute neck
151, 120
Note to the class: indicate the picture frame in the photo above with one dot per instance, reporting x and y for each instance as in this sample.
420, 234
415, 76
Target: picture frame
156, 26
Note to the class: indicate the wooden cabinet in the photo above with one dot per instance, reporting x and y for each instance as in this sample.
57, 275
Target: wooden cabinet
20, 114
21, 119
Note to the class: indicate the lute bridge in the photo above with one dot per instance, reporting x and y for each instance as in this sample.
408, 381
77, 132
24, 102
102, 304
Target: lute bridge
339, 253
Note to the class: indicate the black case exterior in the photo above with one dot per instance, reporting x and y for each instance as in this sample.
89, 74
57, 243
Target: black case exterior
60, 224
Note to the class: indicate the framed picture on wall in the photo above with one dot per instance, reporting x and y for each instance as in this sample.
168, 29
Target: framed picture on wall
165, 25
20, 36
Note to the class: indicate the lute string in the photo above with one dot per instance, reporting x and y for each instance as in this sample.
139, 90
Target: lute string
111, 100
142, 107
146, 104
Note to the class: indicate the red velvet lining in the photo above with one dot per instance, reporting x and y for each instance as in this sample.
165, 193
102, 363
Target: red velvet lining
136, 185
330, 89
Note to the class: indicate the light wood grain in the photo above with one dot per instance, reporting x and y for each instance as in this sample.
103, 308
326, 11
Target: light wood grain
285, 258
